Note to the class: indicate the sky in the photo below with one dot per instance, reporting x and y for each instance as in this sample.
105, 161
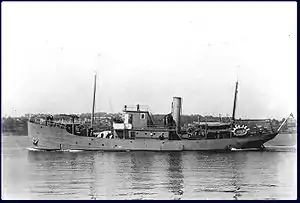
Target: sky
148, 52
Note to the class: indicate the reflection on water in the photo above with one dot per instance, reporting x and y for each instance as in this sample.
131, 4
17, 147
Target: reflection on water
122, 175
146, 175
141, 174
62, 174
174, 174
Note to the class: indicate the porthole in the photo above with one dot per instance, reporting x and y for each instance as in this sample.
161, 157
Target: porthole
76, 142
89, 143
102, 144
115, 145
145, 133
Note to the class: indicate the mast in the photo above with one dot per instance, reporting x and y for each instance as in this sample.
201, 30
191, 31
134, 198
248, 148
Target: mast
93, 109
234, 103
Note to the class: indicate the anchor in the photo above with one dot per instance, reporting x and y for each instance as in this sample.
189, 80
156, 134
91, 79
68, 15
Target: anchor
35, 141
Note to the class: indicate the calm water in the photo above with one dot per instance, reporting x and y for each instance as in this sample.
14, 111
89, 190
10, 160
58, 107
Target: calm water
145, 175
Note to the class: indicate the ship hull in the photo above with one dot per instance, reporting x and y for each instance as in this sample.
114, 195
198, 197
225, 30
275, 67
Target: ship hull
55, 138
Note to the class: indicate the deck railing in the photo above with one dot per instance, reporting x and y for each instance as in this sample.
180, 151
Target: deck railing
136, 108
60, 123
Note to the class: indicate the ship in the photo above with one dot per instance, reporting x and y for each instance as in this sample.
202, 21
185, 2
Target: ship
136, 131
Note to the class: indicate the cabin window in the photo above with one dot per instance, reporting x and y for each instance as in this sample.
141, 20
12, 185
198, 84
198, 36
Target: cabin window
143, 116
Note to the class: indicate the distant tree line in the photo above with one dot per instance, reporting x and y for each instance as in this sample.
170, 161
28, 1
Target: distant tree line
14, 126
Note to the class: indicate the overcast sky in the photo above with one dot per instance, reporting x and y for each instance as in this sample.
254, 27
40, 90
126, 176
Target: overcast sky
148, 52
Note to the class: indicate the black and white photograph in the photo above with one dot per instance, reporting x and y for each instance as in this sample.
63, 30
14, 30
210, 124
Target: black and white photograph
146, 100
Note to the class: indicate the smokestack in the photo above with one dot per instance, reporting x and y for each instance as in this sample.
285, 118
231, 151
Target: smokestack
176, 112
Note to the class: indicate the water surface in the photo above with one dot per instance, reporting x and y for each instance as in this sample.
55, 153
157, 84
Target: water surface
145, 175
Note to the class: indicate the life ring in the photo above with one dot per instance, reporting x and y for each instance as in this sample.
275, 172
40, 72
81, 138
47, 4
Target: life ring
240, 130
